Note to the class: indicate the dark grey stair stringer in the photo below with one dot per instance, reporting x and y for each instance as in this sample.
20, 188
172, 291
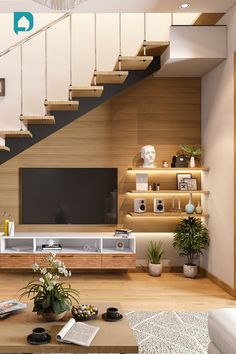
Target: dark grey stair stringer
64, 118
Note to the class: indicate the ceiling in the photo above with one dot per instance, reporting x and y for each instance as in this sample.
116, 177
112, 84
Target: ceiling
125, 6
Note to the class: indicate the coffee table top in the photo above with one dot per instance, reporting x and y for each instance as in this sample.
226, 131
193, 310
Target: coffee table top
113, 337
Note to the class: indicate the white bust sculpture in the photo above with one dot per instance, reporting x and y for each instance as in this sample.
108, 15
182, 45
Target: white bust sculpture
148, 154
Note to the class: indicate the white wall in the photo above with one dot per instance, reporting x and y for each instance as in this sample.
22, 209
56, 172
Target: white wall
218, 142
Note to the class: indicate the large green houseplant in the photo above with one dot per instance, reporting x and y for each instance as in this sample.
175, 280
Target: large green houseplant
154, 253
51, 297
191, 238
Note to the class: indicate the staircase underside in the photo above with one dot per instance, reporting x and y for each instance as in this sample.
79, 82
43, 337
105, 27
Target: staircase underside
62, 119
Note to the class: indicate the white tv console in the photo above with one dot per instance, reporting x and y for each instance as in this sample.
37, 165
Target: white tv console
79, 250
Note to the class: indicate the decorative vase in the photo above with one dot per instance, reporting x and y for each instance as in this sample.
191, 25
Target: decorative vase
190, 270
52, 316
192, 163
190, 207
198, 209
155, 269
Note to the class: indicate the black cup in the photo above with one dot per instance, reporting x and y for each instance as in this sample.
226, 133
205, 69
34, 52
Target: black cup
112, 313
39, 333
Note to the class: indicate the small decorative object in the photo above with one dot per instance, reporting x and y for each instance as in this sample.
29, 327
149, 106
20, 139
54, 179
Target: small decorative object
158, 186
139, 205
141, 182
154, 187
148, 154
173, 204
39, 336
192, 151
179, 205
11, 228
150, 187
183, 186
190, 207
159, 206
181, 161
165, 164
50, 243
2, 87
191, 238
154, 253
52, 299
198, 209
180, 178
84, 312
112, 315
192, 183
120, 245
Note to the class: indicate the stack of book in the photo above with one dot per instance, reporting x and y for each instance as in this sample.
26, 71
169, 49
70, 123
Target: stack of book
56, 247
10, 307
122, 233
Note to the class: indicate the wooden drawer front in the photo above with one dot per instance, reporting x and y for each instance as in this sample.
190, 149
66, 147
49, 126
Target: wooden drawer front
75, 261
16, 260
118, 261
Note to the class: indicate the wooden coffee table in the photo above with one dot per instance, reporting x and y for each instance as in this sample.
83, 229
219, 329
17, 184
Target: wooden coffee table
113, 337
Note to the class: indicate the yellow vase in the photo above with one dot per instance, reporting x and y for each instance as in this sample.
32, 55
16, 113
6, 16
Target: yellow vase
6, 227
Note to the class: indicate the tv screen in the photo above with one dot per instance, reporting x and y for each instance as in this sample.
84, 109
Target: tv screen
68, 195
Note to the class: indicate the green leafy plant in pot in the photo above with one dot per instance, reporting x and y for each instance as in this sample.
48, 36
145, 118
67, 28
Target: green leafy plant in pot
52, 299
154, 253
192, 152
191, 238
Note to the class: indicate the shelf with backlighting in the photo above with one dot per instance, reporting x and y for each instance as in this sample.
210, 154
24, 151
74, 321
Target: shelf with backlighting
167, 215
169, 192
169, 169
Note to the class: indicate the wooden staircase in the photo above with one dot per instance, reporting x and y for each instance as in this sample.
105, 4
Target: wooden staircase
134, 63
37, 119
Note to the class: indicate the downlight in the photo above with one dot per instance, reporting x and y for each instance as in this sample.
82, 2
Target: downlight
184, 6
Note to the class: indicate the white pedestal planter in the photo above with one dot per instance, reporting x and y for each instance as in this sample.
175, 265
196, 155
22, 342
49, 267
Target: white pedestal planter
190, 271
155, 269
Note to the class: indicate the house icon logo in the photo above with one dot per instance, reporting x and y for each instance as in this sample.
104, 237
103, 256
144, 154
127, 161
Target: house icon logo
23, 22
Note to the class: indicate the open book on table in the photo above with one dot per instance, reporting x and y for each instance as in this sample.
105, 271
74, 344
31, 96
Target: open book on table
77, 333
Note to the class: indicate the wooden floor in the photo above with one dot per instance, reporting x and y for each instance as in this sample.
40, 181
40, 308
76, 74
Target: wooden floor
136, 291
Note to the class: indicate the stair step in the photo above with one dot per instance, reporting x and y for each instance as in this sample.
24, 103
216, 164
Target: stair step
37, 119
154, 48
111, 77
4, 148
15, 134
134, 63
61, 105
86, 91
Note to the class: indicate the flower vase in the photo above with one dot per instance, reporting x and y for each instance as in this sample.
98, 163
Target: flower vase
190, 207
198, 209
192, 163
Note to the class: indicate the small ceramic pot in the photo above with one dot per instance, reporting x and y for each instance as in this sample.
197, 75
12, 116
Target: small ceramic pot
190, 207
192, 163
52, 316
155, 269
190, 270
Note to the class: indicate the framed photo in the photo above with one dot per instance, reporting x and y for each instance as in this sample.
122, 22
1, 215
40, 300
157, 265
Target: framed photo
192, 183
183, 186
180, 178
2, 87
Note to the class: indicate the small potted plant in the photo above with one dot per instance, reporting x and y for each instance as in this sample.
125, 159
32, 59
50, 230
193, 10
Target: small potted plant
154, 253
52, 299
192, 151
191, 238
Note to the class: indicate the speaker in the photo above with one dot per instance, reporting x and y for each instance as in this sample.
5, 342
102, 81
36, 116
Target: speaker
139, 205
159, 206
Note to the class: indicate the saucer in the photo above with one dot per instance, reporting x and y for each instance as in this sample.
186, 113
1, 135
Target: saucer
34, 341
105, 318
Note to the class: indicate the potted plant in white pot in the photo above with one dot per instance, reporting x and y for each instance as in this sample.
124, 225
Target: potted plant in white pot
154, 253
191, 238
192, 152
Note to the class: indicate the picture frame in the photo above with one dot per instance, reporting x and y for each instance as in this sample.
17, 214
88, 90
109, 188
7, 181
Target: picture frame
192, 183
183, 186
180, 178
2, 87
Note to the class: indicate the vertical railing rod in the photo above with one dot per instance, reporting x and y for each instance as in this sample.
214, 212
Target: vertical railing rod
46, 65
95, 50
119, 58
21, 86
144, 35
71, 49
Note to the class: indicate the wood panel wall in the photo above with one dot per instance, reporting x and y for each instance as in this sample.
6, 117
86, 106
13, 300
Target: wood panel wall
164, 112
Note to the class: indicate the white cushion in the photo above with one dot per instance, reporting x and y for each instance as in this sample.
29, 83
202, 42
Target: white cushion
212, 349
222, 329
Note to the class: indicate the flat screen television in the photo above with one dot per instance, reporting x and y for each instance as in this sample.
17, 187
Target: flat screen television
68, 195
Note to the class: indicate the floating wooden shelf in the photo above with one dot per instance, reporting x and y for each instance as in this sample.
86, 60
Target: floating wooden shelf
37, 119
111, 77
169, 192
16, 134
134, 63
88, 91
167, 215
174, 169
154, 48
61, 105
4, 148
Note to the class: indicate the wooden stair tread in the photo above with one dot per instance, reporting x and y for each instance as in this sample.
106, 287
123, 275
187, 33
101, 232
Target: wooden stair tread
4, 148
154, 48
111, 77
86, 91
61, 105
16, 134
37, 119
134, 63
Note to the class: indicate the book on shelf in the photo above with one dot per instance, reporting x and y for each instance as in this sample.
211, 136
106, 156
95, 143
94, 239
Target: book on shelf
122, 232
54, 248
10, 306
77, 333
22, 248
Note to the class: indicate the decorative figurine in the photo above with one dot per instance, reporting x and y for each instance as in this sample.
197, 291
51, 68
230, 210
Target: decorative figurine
148, 154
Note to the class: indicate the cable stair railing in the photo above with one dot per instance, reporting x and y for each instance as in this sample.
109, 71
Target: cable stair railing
100, 78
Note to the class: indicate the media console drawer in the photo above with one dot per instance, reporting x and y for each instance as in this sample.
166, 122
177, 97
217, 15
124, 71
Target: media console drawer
74, 261
16, 260
118, 261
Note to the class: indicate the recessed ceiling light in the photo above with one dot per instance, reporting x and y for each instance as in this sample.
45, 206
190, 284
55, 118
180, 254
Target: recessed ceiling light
184, 6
